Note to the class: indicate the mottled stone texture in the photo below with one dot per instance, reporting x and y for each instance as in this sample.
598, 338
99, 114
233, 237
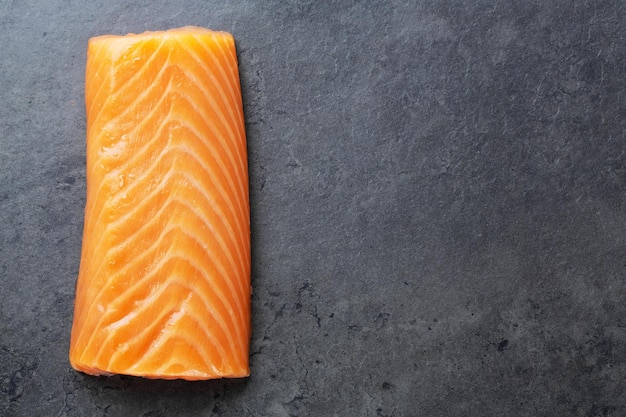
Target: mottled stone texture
438, 194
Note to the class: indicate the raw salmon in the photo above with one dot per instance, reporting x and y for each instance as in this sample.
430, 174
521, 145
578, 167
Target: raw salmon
163, 289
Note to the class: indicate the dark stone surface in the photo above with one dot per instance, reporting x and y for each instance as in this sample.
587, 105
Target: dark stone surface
438, 208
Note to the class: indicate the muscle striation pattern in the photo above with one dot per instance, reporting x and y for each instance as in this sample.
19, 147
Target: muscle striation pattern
163, 289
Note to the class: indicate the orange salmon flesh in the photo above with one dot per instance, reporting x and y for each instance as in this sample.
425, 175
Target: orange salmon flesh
163, 289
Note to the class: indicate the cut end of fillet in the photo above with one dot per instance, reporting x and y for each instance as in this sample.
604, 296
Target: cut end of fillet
119, 44
163, 289
188, 374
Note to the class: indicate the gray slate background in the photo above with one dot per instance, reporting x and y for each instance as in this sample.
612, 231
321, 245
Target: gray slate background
438, 207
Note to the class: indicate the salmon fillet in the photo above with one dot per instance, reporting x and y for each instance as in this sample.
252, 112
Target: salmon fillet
163, 289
